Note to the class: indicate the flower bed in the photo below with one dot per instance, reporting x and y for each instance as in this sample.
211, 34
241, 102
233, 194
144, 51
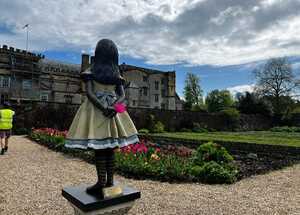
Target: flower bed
210, 163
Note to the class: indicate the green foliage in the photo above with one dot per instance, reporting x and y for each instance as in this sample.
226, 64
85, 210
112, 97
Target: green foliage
285, 129
168, 167
199, 108
213, 173
250, 103
213, 164
232, 117
198, 128
218, 100
211, 152
150, 162
143, 131
254, 137
158, 127
276, 81
154, 126
192, 90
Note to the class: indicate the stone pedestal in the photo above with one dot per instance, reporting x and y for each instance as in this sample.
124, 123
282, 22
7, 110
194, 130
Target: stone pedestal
86, 204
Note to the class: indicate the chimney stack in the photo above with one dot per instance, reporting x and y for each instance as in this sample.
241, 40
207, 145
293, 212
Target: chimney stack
85, 62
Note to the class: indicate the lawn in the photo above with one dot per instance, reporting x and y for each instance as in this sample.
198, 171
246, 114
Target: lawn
258, 137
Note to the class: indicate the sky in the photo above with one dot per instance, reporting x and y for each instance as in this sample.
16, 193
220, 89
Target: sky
222, 41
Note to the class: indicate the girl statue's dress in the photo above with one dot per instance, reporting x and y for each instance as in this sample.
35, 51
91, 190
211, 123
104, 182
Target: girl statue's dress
98, 124
91, 129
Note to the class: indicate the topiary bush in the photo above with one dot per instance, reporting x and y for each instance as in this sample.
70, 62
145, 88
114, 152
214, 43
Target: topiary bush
213, 173
159, 127
213, 164
211, 152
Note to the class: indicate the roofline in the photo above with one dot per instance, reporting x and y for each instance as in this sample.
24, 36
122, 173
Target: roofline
125, 67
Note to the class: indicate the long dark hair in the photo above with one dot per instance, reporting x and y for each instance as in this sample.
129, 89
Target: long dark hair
105, 68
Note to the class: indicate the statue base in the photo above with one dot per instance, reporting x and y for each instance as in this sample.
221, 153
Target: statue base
117, 200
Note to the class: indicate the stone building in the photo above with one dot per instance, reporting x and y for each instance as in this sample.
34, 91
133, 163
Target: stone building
28, 77
146, 88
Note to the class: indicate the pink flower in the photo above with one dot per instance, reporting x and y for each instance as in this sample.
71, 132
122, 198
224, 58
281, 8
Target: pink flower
120, 107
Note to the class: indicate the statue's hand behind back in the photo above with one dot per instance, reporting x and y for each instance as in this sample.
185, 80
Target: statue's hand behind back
109, 112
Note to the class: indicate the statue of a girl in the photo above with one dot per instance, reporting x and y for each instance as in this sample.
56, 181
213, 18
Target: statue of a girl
102, 123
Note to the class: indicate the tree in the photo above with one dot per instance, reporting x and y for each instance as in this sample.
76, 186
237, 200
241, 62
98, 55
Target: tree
218, 100
192, 91
250, 103
275, 80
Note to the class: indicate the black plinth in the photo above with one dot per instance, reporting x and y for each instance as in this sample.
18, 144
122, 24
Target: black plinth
86, 202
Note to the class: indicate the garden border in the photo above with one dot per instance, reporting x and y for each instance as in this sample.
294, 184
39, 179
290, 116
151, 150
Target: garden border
230, 146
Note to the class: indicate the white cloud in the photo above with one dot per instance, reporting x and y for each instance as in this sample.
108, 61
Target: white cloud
194, 32
296, 66
241, 88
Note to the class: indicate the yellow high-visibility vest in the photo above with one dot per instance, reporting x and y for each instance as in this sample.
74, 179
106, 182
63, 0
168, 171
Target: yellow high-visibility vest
6, 119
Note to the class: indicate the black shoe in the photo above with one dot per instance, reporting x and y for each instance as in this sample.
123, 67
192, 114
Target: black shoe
5, 148
2, 151
95, 190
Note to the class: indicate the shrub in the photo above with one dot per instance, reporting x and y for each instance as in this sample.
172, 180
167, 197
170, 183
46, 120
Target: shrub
211, 152
198, 128
232, 117
250, 103
213, 173
158, 127
213, 164
144, 131
154, 126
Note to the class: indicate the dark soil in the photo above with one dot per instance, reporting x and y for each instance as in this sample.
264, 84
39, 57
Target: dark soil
250, 164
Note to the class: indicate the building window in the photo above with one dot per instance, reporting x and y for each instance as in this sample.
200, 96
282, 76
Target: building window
163, 106
156, 97
162, 81
27, 84
133, 102
171, 89
44, 97
156, 85
145, 91
4, 82
163, 92
145, 78
141, 91
3, 98
68, 99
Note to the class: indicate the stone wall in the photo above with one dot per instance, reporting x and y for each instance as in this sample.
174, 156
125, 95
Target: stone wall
60, 116
176, 120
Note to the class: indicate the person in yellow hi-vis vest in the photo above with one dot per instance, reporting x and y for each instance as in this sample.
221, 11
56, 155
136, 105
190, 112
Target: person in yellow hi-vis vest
6, 124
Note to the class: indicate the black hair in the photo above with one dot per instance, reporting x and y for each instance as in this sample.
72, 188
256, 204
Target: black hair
105, 68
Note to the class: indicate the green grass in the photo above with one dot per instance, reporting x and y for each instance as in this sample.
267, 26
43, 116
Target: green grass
258, 137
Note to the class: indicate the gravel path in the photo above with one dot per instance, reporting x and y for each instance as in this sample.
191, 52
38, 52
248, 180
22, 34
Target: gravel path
32, 177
